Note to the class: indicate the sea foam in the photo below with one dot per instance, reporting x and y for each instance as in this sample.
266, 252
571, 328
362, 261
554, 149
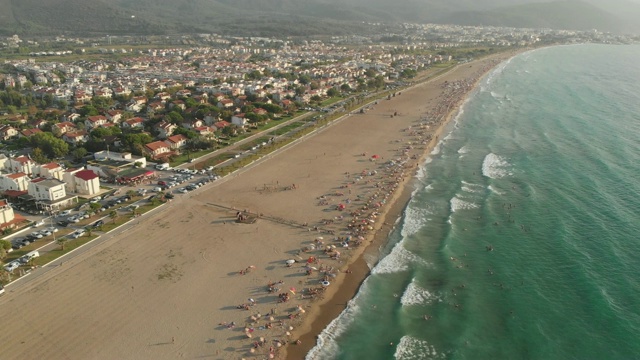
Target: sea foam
410, 348
327, 346
495, 167
459, 204
416, 295
414, 220
397, 261
494, 190
471, 187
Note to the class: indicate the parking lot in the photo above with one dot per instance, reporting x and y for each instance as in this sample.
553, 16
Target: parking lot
75, 222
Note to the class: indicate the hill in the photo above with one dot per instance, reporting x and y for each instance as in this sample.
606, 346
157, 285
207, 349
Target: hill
572, 14
298, 17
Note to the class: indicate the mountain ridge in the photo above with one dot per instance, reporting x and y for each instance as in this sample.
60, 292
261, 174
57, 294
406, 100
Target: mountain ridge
300, 17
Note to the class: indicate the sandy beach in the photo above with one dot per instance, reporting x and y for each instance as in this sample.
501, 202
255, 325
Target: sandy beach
188, 281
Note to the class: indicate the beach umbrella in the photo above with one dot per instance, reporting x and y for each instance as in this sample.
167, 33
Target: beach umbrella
293, 290
325, 283
289, 262
375, 157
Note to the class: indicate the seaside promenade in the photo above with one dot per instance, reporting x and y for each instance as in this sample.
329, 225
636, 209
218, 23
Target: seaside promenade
192, 282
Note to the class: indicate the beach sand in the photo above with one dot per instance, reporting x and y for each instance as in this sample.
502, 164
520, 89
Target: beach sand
188, 281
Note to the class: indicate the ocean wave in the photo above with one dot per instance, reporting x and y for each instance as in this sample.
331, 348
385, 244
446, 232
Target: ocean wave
436, 149
459, 204
495, 167
414, 220
327, 345
416, 295
471, 187
493, 190
463, 150
410, 348
397, 261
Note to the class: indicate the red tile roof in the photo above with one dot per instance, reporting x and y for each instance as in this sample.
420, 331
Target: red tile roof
86, 175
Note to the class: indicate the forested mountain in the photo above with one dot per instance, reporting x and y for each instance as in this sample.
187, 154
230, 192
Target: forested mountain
301, 17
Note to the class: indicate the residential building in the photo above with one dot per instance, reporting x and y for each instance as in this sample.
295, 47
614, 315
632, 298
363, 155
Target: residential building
16, 181
18, 164
49, 171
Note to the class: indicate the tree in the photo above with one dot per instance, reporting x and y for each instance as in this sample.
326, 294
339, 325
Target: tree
38, 156
50, 145
79, 153
61, 241
4, 247
89, 110
113, 215
190, 134
333, 92
175, 117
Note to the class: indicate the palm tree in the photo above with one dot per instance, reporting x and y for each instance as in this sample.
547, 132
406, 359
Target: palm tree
61, 241
113, 215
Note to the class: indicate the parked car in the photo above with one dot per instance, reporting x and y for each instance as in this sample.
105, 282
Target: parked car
209, 168
162, 182
64, 212
12, 266
98, 223
38, 223
76, 234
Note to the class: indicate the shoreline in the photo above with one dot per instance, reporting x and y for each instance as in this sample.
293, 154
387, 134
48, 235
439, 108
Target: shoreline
336, 301
231, 290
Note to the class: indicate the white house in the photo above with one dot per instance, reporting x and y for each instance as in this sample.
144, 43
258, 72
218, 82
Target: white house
86, 182
49, 171
20, 164
7, 217
239, 120
16, 181
49, 193
47, 189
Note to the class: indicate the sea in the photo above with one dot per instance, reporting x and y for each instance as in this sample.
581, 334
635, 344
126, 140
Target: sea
522, 238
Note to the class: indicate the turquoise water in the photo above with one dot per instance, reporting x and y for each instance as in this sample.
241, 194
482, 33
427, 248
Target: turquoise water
522, 240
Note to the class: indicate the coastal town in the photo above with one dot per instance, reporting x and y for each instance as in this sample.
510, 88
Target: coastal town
106, 129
